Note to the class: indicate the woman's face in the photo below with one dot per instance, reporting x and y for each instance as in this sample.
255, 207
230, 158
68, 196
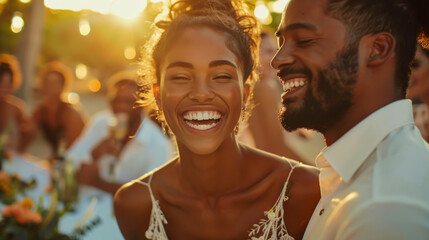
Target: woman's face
421, 119
419, 80
52, 85
201, 90
6, 85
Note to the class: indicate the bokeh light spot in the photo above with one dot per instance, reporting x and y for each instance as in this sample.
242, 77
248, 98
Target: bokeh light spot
17, 22
73, 98
81, 71
84, 27
130, 53
94, 85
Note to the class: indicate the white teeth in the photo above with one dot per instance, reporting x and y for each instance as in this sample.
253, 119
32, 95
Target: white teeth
202, 115
201, 126
199, 116
291, 84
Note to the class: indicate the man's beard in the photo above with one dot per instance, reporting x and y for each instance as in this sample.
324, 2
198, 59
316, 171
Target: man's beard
328, 98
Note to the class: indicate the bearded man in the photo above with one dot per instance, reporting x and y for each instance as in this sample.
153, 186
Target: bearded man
344, 66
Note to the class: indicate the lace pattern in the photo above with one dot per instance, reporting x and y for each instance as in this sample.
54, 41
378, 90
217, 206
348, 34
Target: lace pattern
273, 227
156, 229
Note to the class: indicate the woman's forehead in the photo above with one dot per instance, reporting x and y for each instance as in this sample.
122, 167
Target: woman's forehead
197, 44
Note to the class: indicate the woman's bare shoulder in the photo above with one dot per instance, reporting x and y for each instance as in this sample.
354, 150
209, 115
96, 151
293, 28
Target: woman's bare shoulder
73, 110
16, 103
305, 178
305, 184
133, 206
138, 192
133, 201
270, 160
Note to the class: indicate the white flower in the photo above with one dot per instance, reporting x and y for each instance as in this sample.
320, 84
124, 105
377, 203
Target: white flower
148, 234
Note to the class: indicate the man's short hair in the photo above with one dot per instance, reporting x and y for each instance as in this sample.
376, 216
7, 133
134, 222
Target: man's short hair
406, 20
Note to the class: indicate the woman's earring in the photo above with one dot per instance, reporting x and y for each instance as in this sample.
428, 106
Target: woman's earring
237, 127
161, 120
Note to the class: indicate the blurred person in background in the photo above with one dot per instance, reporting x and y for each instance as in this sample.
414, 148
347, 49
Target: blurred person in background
15, 126
119, 144
421, 117
14, 123
418, 90
60, 122
419, 78
264, 131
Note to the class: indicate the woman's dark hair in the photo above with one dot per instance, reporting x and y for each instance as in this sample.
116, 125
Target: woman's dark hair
10, 65
406, 20
425, 50
228, 17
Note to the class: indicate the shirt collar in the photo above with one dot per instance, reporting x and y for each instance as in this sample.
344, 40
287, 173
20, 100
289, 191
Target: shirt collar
349, 152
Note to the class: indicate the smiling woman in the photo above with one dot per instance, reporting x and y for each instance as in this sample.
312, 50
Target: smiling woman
198, 73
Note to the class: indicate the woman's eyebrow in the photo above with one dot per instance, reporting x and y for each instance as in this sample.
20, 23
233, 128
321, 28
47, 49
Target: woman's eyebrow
180, 64
222, 62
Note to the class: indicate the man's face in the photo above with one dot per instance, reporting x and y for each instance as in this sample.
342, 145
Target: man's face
6, 85
316, 65
123, 98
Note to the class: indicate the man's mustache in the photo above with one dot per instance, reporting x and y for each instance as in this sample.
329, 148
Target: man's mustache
284, 72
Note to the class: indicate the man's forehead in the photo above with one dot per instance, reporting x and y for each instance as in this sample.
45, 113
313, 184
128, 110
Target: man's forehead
303, 12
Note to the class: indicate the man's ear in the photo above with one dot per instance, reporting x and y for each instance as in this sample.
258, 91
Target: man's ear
381, 48
156, 93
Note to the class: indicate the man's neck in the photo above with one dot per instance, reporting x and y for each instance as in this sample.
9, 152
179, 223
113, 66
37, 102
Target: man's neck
356, 114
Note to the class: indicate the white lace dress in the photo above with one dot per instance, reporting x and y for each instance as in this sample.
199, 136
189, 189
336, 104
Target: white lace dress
272, 227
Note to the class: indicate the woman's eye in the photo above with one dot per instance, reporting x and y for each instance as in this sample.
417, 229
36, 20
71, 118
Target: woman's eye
180, 77
223, 77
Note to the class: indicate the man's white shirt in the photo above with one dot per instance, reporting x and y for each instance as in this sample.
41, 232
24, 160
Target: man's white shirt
374, 181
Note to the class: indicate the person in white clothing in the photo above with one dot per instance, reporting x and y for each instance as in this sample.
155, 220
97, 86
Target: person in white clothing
121, 144
344, 66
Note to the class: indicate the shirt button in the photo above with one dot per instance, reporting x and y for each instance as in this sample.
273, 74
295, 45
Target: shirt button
321, 211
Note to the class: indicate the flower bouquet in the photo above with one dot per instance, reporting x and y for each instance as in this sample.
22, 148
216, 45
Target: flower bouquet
4, 141
11, 185
23, 221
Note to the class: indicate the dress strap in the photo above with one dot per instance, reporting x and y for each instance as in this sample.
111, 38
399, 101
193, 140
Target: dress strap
274, 227
156, 229
293, 166
148, 182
